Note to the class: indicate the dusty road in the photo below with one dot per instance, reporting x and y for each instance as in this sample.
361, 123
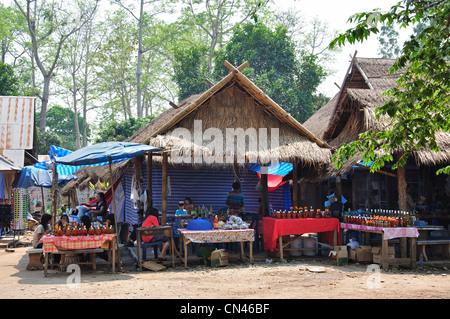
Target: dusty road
303, 278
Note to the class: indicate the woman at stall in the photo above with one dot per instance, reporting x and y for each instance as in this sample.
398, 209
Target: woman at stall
42, 229
99, 208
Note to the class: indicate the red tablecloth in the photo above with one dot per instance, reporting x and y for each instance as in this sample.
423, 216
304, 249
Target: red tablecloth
273, 228
51, 243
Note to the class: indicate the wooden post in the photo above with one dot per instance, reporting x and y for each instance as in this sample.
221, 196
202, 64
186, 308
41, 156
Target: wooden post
265, 191
401, 183
164, 189
294, 183
112, 190
149, 178
54, 194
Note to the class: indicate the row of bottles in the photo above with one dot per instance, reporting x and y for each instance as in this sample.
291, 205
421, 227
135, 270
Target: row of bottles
302, 212
82, 230
381, 218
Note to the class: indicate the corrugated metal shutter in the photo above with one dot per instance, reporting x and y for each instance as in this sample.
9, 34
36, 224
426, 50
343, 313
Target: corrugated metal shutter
204, 187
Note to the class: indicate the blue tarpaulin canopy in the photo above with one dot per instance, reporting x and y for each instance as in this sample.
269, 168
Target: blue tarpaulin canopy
32, 176
102, 152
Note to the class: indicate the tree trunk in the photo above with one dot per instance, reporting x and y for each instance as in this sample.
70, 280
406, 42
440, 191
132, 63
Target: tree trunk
139, 64
45, 96
75, 110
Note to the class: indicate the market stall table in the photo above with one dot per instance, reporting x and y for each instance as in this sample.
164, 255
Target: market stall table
274, 229
218, 236
388, 233
79, 244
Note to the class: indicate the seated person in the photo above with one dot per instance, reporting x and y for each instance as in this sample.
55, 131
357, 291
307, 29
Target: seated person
63, 221
181, 211
152, 221
99, 208
86, 221
42, 229
188, 205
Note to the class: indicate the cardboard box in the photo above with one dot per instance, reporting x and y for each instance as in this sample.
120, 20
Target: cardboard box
339, 256
364, 254
219, 257
376, 251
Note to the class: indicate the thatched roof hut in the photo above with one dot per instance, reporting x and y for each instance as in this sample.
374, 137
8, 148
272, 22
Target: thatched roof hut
234, 105
352, 111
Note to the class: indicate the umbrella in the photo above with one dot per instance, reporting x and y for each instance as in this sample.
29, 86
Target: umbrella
106, 152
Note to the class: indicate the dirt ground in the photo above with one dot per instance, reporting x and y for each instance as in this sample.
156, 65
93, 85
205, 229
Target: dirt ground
299, 278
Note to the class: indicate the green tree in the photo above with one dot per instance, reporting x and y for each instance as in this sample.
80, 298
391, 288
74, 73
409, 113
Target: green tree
8, 80
274, 66
119, 131
388, 41
419, 107
61, 121
191, 71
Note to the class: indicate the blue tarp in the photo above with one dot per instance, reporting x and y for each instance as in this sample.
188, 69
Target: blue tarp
61, 169
32, 176
101, 152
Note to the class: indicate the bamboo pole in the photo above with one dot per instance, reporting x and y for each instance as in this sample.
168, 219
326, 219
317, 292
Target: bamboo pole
115, 215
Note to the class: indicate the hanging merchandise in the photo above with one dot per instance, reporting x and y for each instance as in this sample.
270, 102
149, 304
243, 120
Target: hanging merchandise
20, 208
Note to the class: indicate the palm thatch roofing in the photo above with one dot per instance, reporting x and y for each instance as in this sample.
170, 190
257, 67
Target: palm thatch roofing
234, 104
352, 112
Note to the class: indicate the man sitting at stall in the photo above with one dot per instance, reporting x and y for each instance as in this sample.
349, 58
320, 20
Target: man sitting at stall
181, 211
152, 221
235, 199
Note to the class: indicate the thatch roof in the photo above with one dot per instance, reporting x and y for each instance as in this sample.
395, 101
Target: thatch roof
318, 122
352, 112
233, 103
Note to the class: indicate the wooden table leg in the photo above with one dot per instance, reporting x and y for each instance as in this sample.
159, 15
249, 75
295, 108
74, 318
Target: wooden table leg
46, 264
384, 254
114, 254
280, 243
94, 264
251, 251
403, 247
413, 252
139, 250
242, 250
185, 252
335, 238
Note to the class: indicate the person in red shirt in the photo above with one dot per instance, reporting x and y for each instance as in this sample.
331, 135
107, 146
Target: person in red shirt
152, 221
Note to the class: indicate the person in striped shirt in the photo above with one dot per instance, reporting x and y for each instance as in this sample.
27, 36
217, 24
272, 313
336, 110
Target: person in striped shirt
235, 199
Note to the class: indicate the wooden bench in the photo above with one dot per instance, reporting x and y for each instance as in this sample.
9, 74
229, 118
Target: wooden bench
35, 261
445, 242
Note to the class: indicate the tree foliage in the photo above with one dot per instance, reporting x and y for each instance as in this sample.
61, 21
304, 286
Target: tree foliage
61, 122
120, 130
9, 84
419, 105
274, 66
